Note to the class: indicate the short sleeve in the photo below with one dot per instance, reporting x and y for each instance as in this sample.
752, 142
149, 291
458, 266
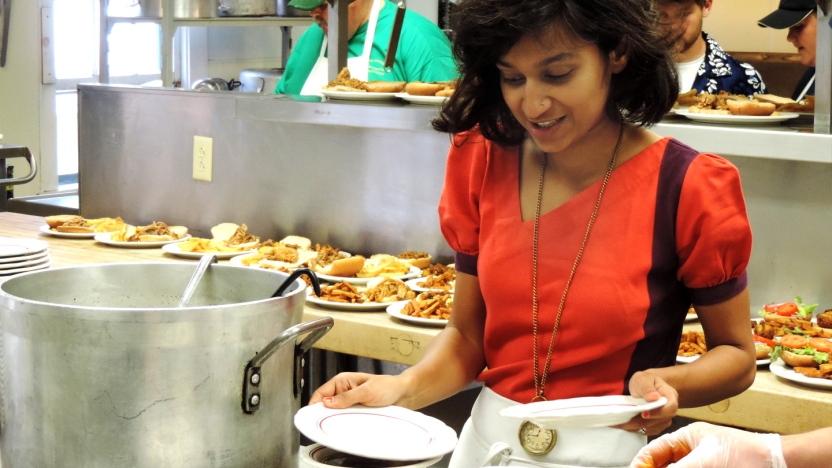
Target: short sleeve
459, 206
713, 234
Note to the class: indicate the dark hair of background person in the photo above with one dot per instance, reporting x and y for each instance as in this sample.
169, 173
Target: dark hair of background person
485, 30
699, 3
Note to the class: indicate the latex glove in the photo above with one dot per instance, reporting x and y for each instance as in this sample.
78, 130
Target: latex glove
702, 445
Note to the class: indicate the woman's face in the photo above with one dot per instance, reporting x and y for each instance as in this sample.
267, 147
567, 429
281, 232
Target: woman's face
803, 35
556, 88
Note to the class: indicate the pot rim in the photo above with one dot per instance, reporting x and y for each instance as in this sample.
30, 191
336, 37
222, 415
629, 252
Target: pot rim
6, 296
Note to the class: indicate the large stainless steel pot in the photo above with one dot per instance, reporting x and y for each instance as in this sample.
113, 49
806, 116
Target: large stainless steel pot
100, 369
195, 8
248, 8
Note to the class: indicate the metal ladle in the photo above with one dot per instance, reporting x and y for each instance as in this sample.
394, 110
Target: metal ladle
201, 267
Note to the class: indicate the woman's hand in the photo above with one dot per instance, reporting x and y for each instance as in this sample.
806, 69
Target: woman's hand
352, 388
651, 387
702, 445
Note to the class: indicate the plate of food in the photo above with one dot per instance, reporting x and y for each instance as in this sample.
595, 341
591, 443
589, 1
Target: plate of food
138, 237
582, 413
175, 249
691, 316
820, 377
692, 346
423, 100
422, 311
385, 433
344, 87
358, 95
334, 266
229, 240
76, 227
349, 297
738, 119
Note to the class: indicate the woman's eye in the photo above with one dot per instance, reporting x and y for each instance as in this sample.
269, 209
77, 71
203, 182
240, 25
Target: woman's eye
511, 79
558, 78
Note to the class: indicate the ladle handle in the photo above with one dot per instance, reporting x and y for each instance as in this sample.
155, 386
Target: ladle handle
316, 285
203, 265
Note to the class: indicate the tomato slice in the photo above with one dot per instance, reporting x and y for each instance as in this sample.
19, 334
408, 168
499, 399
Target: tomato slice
794, 341
764, 340
787, 309
821, 344
771, 307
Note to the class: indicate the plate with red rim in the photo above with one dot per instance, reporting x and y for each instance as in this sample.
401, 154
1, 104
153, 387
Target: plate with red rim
11, 247
395, 310
582, 413
783, 370
387, 433
106, 238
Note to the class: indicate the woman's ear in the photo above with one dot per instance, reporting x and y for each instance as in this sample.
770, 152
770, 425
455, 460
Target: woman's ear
620, 56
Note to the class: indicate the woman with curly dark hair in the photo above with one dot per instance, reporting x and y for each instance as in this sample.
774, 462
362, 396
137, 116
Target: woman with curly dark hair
582, 237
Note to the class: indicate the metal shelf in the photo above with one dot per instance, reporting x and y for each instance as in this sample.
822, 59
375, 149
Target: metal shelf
243, 21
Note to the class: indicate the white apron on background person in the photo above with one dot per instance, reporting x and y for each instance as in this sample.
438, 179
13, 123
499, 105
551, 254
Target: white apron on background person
359, 66
486, 431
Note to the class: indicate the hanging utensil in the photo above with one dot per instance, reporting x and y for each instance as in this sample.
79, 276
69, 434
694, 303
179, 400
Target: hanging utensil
203, 265
4, 46
395, 35
316, 285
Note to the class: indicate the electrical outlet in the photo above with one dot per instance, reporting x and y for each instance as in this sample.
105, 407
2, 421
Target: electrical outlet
203, 158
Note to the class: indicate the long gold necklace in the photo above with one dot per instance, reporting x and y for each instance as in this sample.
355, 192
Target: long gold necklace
533, 439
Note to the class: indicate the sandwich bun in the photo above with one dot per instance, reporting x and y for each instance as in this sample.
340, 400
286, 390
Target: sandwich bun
224, 231
763, 350
420, 262
798, 360
774, 99
417, 88
57, 220
343, 267
447, 92
154, 238
180, 231
87, 229
754, 108
385, 86
301, 242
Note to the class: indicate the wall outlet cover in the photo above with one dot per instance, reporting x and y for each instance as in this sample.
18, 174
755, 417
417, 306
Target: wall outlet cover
203, 158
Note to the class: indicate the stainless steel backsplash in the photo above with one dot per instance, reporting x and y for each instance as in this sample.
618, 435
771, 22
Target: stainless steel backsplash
367, 178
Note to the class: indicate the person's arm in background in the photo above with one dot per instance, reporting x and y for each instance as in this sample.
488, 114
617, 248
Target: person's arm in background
703, 445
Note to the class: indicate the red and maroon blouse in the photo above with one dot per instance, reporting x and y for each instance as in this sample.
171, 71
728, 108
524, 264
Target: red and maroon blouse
672, 230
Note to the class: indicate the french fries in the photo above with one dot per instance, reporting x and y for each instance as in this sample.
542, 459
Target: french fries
196, 244
342, 292
430, 305
692, 344
106, 224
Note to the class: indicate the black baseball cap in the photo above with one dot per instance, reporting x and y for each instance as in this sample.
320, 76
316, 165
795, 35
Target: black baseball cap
788, 14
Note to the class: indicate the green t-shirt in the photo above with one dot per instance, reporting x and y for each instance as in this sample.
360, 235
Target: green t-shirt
424, 53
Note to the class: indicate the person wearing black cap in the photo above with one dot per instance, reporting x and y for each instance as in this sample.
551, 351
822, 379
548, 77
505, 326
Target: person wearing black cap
801, 19
424, 52
700, 61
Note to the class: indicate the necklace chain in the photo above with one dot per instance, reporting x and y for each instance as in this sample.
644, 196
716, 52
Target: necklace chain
540, 380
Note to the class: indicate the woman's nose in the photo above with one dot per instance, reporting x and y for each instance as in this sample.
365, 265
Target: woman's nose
535, 102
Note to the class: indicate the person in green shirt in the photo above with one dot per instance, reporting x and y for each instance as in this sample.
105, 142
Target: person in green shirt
424, 52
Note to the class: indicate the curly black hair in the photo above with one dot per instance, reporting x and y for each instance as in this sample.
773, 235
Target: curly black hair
485, 30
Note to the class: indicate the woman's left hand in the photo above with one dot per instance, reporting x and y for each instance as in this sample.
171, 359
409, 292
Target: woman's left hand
651, 387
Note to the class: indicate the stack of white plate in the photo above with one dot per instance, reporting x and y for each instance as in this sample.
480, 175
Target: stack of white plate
22, 255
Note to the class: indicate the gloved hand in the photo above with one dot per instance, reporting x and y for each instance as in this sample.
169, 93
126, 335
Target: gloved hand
702, 445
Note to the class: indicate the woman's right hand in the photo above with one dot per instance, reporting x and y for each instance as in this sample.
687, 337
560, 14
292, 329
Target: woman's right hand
353, 388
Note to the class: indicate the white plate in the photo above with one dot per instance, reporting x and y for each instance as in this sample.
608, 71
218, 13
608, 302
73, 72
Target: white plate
738, 119
41, 266
67, 235
23, 258
174, 249
414, 272
395, 310
689, 359
14, 247
691, 317
388, 433
582, 413
106, 238
347, 306
423, 100
780, 369
412, 284
356, 96
29, 262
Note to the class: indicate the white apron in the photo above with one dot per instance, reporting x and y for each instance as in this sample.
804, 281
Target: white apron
488, 439
359, 66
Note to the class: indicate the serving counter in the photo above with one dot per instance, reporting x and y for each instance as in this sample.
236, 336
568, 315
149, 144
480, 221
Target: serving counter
771, 404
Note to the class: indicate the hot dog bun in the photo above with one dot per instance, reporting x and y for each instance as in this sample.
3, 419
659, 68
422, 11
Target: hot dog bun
344, 267
385, 86
62, 228
417, 88
57, 220
798, 360
756, 108
420, 262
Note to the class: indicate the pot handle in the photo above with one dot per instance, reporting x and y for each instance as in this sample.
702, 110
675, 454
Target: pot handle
253, 375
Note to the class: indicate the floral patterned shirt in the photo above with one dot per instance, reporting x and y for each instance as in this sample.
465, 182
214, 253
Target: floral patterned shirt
721, 72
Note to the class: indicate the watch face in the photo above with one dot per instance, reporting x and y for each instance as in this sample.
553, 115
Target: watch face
535, 440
